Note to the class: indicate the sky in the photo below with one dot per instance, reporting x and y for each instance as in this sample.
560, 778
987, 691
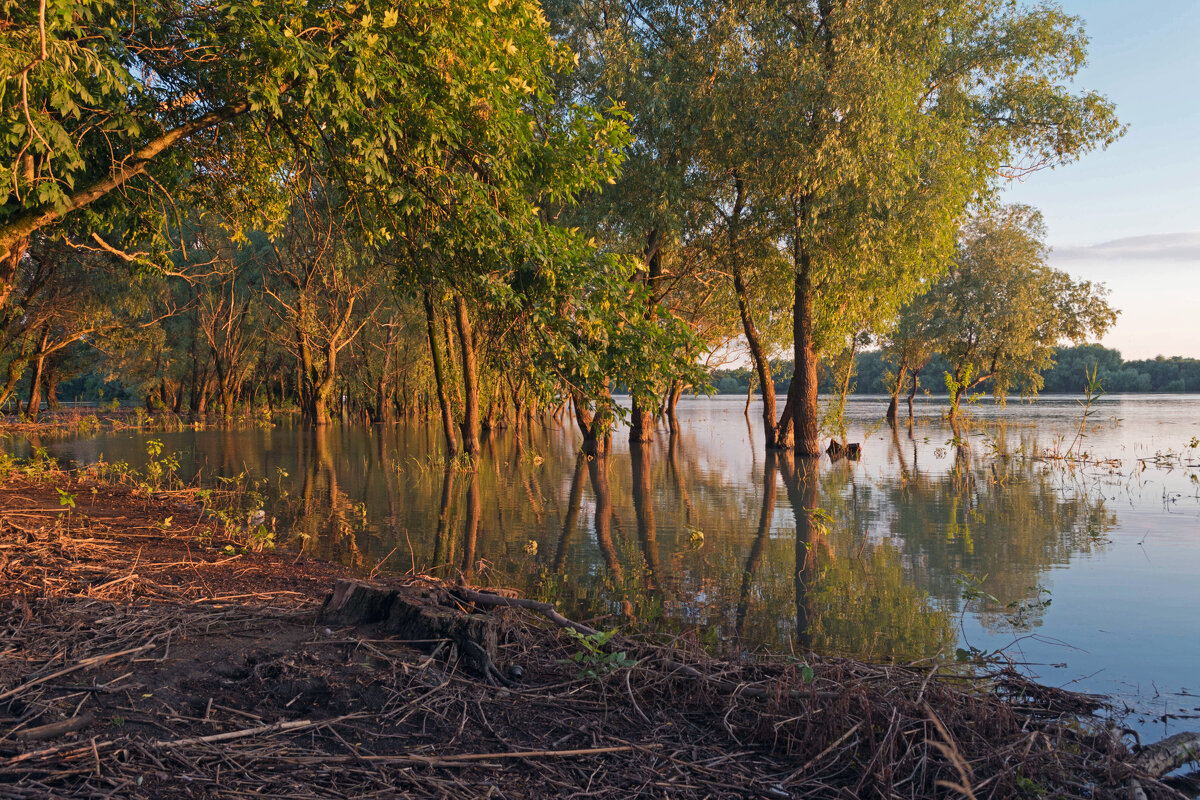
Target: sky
1129, 216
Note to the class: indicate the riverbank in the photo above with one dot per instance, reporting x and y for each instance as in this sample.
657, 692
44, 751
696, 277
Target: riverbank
149, 651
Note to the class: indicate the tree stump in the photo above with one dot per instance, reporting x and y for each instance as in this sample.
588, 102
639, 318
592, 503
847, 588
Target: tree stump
424, 617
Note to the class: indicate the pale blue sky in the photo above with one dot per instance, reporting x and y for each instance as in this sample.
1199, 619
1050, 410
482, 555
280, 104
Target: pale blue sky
1129, 216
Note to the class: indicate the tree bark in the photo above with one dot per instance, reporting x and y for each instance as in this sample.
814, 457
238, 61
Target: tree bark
672, 403
912, 392
804, 411
51, 381
596, 428
34, 404
641, 420
762, 365
466, 343
439, 376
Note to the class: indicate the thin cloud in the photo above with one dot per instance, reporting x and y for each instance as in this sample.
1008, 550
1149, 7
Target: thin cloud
1154, 247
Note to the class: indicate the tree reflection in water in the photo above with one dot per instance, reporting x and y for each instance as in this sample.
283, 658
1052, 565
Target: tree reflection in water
855, 558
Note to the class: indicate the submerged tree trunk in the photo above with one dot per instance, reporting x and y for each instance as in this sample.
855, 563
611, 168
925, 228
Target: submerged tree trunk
466, 343
912, 392
439, 375
804, 381
595, 427
672, 405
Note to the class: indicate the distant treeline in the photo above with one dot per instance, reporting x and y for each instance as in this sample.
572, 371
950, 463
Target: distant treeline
1067, 376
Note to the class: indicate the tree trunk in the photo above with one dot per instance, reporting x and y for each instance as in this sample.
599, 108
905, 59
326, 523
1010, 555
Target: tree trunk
383, 403
897, 387
641, 421
33, 406
672, 404
200, 395
51, 381
955, 399
912, 392
762, 365
596, 428
804, 380
466, 343
9, 264
439, 376
785, 432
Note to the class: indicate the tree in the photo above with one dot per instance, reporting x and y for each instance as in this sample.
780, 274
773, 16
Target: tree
909, 349
655, 58
999, 313
402, 103
879, 123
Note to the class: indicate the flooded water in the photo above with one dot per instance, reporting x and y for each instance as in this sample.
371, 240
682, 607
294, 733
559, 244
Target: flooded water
931, 545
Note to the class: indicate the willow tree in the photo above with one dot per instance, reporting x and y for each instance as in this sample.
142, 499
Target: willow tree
882, 123
999, 314
651, 57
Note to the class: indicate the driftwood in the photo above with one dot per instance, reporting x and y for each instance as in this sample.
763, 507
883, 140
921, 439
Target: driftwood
1160, 758
425, 617
547, 610
55, 729
837, 450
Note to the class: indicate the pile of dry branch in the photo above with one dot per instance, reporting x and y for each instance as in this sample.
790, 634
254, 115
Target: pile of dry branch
130, 666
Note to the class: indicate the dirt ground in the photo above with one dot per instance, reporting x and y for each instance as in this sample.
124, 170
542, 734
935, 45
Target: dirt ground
143, 660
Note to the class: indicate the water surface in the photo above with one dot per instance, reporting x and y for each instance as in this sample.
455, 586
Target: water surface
934, 544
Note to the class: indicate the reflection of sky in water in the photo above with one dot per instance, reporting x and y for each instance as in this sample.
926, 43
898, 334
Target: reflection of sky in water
702, 532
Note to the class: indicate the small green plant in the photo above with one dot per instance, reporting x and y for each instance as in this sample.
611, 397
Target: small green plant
592, 657
65, 498
159, 468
